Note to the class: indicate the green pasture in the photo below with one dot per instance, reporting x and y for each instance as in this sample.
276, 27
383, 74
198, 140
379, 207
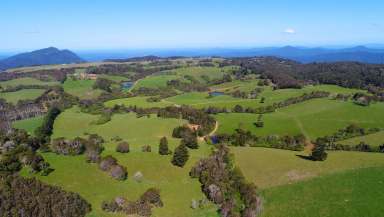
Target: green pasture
155, 81
29, 125
25, 94
81, 88
313, 118
27, 81
353, 193
202, 99
268, 167
114, 78
137, 101
197, 72
375, 139
177, 188
137, 131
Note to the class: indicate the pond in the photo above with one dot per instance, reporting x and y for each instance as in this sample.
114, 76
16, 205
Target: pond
216, 93
127, 85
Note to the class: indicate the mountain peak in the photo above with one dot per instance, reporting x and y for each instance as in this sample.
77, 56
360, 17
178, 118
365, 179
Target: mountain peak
45, 56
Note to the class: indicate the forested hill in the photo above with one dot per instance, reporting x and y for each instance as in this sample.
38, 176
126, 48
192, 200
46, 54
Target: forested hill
291, 74
45, 56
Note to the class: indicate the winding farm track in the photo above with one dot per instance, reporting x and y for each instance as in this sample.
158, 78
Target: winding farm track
211, 133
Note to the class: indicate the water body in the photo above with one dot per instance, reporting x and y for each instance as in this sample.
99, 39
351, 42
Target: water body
127, 85
216, 93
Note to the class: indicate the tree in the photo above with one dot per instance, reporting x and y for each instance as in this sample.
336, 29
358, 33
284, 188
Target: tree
180, 156
238, 109
190, 141
163, 146
45, 130
318, 152
103, 84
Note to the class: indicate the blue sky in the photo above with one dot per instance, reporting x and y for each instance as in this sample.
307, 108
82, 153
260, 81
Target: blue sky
111, 24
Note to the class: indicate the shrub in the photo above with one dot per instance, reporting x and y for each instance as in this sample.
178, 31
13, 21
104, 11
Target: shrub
118, 172
146, 148
152, 196
68, 147
259, 124
107, 162
123, 147
92, 156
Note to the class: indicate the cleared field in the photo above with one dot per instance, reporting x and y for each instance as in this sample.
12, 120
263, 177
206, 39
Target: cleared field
81, 88
160, 80
14, 97
137, 101
177, 188
29, 124
375, 139
137, 131
354, 193
200, 100
273, 124
268, 167
26, 81
114, 78
197, 72
249, 85
155, 81
314, 118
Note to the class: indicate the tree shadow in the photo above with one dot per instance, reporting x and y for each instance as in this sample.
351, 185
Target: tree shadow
304, 157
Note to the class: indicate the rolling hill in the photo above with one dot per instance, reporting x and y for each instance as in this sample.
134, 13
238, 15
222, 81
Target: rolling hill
46, 56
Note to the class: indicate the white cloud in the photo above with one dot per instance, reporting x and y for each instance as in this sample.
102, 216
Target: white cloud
290, 31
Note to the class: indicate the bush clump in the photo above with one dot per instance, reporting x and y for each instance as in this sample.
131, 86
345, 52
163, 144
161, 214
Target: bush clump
123, 147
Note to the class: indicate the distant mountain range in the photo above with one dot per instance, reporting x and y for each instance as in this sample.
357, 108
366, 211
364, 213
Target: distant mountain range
307, 55
301, 54
46, 56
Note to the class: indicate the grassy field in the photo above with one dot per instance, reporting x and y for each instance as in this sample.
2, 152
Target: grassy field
137, 131
29, 124
201, 100
114, 78
177, 188
268, 167
375, 139
138, 101
347, 184
26, 81
314, 118
14, 97
160, 79
354, 193
155, 81
81, 88
197, 72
